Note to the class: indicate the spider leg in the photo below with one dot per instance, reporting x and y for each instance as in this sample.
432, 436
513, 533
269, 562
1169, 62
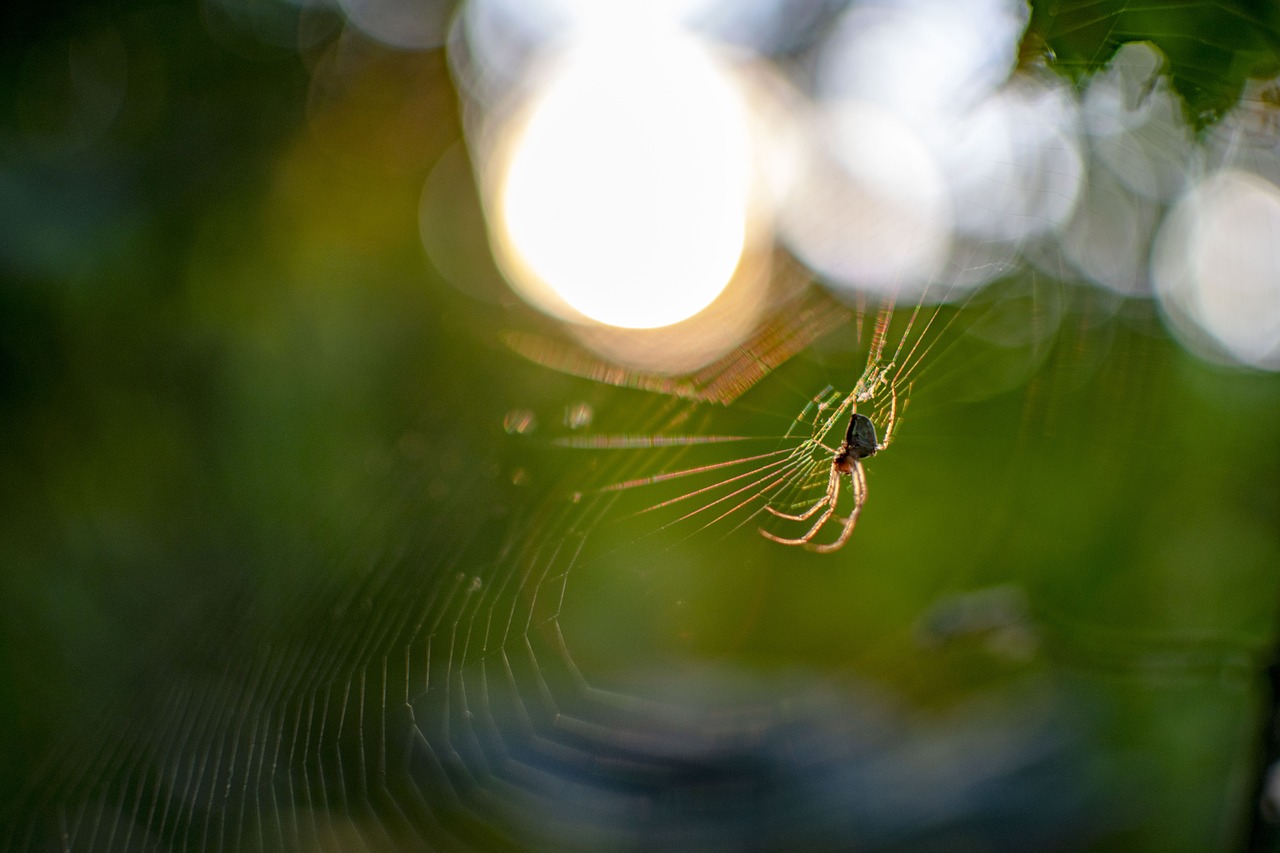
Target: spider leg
806, 539
828, 500
892, 421
858, 480
833, 490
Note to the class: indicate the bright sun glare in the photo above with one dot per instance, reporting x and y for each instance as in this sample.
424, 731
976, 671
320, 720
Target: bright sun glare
625, 190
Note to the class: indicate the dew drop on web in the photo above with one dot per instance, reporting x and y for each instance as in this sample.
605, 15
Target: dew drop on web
578, 415
520, 422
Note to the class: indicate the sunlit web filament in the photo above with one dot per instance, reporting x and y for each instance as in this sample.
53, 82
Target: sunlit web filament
785, 464
639, 442
689, 472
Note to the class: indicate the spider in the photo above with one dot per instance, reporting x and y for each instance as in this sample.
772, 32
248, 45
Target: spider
860, 442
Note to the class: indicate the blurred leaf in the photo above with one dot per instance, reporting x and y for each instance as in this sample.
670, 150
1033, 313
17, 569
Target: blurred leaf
1213, 46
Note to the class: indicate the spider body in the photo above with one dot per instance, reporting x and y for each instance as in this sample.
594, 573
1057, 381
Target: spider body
860, 442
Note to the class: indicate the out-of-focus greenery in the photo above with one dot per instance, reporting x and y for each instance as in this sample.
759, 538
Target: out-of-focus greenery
1212, 46
216, 322
232, 387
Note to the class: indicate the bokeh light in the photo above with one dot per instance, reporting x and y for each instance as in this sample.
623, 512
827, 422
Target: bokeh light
870, 208
631, 155
404, 24
1005, 149
1216, 267
1135, 124
1109, 236
624, 190
618, 137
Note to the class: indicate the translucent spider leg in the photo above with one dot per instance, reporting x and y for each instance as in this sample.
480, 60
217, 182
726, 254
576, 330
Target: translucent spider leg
828, 501
858, 480
892, 422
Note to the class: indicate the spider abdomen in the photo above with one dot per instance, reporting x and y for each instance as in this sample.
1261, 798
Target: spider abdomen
860, 439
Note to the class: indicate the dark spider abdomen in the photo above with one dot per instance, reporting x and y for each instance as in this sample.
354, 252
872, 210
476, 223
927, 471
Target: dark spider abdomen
859, 440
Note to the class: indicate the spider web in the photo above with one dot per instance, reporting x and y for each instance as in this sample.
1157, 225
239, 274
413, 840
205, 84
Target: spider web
459, 690
442, 705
